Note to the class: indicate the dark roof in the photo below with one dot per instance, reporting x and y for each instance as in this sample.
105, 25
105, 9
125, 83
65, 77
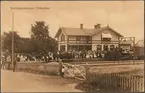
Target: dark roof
83, 32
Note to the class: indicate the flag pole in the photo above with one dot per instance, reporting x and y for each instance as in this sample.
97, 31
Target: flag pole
13, 38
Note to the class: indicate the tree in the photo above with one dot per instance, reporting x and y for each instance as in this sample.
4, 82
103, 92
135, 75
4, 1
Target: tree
41, 39
26, 46
21, 45
7, 41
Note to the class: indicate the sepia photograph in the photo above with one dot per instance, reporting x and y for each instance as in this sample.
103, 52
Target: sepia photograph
72, 46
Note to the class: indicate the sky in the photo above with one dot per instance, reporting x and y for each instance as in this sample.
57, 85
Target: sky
126, 17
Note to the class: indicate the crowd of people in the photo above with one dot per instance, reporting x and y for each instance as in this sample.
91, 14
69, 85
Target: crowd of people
112, 54
27, 57
86, 54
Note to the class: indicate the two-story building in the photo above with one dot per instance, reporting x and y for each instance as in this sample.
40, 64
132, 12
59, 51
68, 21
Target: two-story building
99, 38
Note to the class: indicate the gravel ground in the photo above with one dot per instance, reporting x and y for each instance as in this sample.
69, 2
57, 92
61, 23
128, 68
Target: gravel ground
26, 82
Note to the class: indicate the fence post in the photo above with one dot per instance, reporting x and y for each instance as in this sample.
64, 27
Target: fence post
95, 77
90, 77
109, 79
137, 89
116, 80
132, 84
104, 77
123, 83
127, 83
142, 84
139, 84
87, 70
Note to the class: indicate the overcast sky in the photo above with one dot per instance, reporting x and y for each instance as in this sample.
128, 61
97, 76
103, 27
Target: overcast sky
126, 17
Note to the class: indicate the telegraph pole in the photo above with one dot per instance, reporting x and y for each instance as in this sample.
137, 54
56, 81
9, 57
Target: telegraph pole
13, 38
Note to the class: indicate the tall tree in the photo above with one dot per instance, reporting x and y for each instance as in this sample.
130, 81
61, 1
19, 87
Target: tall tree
21, 45
7, 41
26, 46
41, 39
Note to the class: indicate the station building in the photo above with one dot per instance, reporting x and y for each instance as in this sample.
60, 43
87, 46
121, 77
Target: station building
95, 39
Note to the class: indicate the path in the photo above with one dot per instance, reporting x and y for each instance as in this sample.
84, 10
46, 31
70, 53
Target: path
26, 82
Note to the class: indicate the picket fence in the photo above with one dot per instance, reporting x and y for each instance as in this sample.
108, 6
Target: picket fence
37, 67
116, 81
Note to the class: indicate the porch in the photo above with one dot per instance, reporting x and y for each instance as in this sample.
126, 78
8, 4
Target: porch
75, 47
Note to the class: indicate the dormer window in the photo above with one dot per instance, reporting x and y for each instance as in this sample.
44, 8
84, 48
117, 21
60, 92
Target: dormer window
106, 37
62, 37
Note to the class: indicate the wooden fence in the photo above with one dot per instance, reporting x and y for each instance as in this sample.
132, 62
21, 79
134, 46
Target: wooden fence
116, 81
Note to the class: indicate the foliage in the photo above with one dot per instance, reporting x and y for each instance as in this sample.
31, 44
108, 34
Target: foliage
41, 39
7, 41
26, 46
21, 45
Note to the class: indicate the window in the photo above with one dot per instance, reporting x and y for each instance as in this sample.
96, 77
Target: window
62, 37
88, 39
62, 47
78, 38
99, 47
106, 39
105, 47
112, 47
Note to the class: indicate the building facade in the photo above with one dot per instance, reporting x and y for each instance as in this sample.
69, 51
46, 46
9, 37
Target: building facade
96, 39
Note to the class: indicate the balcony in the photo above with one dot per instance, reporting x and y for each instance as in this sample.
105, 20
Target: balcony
76, 42
88, 42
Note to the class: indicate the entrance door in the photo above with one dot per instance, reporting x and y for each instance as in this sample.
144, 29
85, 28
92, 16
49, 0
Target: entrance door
62, 47
105, 48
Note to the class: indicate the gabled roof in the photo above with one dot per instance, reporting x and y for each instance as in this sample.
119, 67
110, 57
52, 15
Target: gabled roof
105, 28
140, 43
126, 42
83, 32
74, 31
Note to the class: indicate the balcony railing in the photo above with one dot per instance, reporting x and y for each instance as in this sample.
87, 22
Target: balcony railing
88, 42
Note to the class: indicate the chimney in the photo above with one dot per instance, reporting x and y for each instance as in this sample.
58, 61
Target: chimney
81, 26
97, 26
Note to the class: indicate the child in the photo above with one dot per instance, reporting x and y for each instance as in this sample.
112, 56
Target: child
62, 71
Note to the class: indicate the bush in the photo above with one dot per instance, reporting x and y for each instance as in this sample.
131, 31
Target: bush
66, 55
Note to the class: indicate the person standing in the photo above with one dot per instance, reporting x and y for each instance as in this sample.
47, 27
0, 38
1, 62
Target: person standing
61, 68
14, 64
62, 71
